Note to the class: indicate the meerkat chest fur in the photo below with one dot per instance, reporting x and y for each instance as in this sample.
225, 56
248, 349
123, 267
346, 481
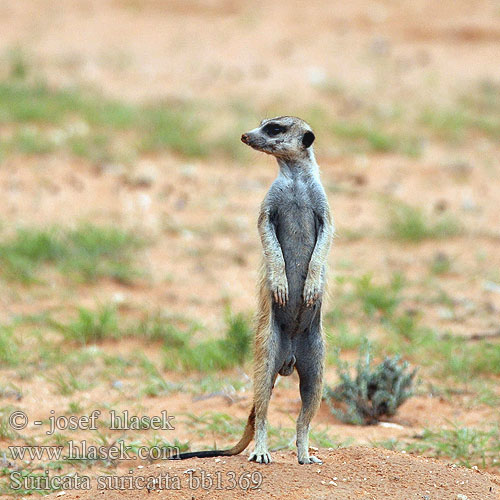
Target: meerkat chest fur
292, 212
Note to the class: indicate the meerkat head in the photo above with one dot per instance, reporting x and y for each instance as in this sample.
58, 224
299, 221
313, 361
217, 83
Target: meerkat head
283, 137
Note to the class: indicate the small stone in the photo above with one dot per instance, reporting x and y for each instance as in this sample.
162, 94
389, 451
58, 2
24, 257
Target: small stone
317, 76
468, 204
460, 168
116, 169
118, 298
144, 174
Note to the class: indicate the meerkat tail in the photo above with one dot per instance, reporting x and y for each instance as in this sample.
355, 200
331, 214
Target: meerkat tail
235, 450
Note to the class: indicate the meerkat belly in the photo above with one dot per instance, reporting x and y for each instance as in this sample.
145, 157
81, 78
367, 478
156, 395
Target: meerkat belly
296, 230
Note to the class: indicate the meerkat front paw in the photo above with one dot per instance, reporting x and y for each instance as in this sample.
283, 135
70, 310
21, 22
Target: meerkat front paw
260, 456
279, 289
312, 290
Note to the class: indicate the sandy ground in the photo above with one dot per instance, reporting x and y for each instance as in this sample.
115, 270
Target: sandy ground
347, 474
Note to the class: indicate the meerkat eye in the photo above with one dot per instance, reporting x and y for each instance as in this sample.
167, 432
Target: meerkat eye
272, 129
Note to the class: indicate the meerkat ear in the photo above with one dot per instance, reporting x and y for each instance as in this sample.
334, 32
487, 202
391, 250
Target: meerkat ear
308, 139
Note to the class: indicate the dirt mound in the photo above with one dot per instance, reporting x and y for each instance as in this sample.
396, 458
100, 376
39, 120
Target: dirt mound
348, 473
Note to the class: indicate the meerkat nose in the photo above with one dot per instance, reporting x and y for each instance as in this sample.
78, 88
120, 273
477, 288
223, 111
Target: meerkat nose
244, 138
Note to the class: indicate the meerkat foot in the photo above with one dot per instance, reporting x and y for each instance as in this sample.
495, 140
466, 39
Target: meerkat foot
310, 459
260, 456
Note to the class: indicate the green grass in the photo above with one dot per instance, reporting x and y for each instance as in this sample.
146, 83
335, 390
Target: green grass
86, 253
400, 331
361, 297
40, 119
382, 299
173, 332
455, 124
6, 431
18, 63
154, 383
9, 349
368, 137
442, 355
465, 446
95, 127
407, 223
215, 424
92, 326
67, 381
216, 354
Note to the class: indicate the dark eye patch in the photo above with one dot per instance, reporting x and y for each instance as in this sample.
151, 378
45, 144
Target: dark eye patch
273, 129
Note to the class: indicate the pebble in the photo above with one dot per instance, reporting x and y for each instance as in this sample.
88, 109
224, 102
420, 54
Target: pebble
145, 174
316, 75
116, 169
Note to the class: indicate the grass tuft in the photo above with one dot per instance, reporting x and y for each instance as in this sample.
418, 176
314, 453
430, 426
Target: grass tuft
407, 223
382, 299
9, 350
467, 446
92, 326
217, 354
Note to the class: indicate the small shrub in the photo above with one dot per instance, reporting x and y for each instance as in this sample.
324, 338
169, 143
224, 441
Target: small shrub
374, 392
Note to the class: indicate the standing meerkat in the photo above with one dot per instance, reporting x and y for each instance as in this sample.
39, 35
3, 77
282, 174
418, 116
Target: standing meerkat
296, 231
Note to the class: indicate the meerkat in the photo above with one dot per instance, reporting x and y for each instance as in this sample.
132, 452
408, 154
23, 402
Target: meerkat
296, 230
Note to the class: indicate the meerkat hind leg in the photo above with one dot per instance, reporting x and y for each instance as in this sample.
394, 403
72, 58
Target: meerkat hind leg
310, 370
265, 377
263, 392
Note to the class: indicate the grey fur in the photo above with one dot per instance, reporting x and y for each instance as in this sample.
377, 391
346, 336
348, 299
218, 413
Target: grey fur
296, 231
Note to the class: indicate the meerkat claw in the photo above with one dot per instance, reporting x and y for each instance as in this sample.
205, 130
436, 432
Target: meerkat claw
310, 460
260, 458
280, 295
